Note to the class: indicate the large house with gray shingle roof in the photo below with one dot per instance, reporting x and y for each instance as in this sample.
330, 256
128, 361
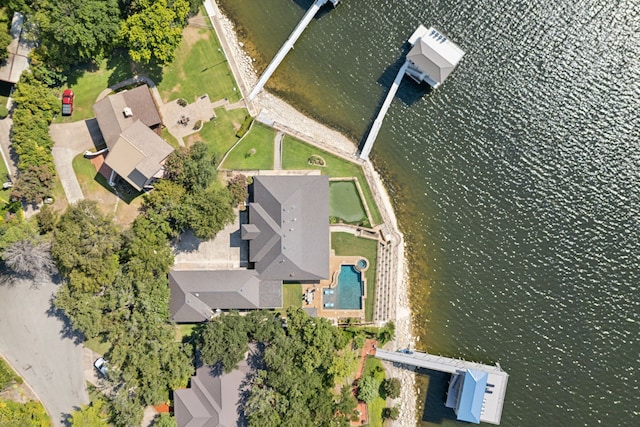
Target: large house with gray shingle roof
129, 122
289, 240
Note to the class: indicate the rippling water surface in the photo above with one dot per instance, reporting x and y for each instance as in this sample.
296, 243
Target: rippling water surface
517, 182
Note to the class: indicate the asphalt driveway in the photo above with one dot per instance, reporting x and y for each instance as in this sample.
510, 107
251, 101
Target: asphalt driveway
31, 339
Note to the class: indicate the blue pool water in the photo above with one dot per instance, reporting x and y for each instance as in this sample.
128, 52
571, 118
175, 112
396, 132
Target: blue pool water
348, 292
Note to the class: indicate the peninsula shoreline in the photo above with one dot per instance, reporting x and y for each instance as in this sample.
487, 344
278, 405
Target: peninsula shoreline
281, 115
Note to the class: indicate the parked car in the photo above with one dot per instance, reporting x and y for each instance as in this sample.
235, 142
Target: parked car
328, 291
328, 305
101, 366
67, 102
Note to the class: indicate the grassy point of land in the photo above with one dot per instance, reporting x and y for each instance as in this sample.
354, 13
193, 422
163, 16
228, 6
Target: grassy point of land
220, 133
296, 153
199, 67
254, 152
346, 244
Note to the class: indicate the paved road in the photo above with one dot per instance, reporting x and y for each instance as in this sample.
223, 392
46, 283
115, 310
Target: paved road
32, 341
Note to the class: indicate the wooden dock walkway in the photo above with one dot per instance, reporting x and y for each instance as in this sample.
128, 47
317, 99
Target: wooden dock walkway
377, 124
286, 47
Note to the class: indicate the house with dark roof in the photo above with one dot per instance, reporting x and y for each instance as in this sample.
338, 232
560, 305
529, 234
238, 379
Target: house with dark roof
212, 400
197, 294
289, 240
432, 57
288, 230
130, 124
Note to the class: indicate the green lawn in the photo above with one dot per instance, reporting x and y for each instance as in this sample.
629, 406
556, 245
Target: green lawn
199, 67
345, 203
95, 187
255, 151
220, 133
374, 367
7, 375
346, 244
4, 173
170, 138
87, 83
98, 345
291, 295
295, 155
185, 330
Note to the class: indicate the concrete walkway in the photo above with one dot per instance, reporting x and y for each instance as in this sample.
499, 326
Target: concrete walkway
277, 151
41, 347
214, 16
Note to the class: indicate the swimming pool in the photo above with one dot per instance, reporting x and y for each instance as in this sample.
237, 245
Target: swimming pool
348, 291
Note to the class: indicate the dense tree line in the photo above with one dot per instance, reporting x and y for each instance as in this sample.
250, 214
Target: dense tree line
78, 31
295, 386
35, 106
117, 290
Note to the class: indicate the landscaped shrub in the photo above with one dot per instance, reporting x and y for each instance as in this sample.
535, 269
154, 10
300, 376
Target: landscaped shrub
182, 102
198, 125
3, 112
316, 160
245, 126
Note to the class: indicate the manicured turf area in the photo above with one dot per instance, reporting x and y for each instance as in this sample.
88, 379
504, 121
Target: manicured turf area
220, 133
95, 187
345, 203
346, 244
255, 151
295, 155
199, 67
291, 296
87, 83
374, 367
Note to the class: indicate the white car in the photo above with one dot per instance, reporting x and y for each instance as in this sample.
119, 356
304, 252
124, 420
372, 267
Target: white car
101, 366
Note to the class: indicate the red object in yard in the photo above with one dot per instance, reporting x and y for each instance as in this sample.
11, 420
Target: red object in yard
163, 407
67, 102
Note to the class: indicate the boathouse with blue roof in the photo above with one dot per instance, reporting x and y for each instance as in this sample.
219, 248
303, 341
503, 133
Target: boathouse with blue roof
471, 396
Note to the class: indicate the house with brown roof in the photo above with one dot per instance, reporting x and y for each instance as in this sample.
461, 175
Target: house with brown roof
289, 240
130, 125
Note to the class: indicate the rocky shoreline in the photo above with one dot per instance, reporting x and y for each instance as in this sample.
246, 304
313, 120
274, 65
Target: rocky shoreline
277, 112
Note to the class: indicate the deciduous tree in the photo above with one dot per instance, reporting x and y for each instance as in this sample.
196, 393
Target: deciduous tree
154, 31
30, 259
73, 31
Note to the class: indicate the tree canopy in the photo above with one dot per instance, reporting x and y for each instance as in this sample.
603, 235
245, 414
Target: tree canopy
154, 30
85, 247
73, 31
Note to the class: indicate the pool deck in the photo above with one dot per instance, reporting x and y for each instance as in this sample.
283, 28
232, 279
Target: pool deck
335, 262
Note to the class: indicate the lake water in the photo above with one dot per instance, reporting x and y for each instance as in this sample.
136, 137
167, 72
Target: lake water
517, 182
